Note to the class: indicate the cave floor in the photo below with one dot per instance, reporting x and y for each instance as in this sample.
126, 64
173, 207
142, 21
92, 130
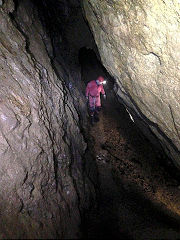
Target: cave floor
139, 196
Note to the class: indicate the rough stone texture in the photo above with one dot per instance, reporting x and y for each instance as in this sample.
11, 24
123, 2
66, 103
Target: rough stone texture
42, 188
139, 45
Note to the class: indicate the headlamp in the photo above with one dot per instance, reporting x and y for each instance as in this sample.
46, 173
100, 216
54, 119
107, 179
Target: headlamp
104, 82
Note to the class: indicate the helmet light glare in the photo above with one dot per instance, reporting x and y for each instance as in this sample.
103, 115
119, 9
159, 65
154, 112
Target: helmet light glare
104, 82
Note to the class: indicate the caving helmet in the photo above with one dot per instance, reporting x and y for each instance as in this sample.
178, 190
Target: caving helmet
100, 80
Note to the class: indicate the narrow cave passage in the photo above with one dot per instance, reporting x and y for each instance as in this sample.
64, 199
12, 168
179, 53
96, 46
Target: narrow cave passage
60, 177
134, 187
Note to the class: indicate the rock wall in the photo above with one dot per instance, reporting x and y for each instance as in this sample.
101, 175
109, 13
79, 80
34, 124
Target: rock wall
42, 186
139, 45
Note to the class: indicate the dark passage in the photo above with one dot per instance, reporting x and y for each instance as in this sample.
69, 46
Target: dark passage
134, 185
91, 67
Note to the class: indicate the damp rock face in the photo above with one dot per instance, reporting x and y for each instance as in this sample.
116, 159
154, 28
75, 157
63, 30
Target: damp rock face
41, 183
139, 45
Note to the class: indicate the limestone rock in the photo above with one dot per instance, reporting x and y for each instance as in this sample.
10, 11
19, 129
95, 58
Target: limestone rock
41, 179
139, 45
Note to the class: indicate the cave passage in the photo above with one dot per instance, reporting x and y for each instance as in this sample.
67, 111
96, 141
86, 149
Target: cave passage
132, 181
62, 178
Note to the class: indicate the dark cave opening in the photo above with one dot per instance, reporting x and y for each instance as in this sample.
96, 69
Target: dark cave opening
87, 59
92, 68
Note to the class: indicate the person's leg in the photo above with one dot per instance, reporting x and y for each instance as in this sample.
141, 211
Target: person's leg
96, 114
92, 109
97, 108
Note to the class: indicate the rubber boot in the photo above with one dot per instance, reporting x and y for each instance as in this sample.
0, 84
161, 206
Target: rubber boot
96, 117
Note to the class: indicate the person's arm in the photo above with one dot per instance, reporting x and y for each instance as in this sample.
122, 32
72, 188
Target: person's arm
103, 92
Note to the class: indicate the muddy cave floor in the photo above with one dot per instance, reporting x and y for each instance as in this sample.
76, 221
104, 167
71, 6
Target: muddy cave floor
139, 197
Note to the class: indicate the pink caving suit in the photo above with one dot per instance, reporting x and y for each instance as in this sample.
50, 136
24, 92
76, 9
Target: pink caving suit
93, 91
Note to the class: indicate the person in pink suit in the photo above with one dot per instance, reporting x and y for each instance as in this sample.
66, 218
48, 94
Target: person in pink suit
93, 90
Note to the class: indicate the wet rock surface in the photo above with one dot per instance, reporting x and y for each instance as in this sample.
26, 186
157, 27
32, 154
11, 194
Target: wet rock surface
137, 41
